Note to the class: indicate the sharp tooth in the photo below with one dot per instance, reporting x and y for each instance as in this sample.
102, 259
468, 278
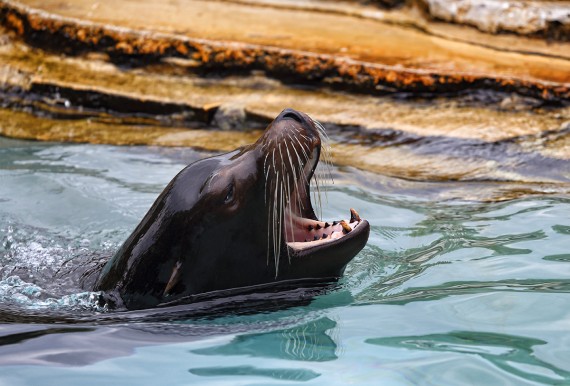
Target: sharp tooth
345, 227
315, 238
324, 235
310, 227
327, 225
354, 215
335, 222
318, 226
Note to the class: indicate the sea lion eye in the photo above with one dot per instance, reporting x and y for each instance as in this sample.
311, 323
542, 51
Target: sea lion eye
230, 193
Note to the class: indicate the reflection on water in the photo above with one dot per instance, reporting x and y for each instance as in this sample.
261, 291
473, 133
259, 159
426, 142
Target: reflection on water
447, 292
513, 354
278, 374
307, 342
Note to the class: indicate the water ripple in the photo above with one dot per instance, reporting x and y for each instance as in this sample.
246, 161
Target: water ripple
447, 291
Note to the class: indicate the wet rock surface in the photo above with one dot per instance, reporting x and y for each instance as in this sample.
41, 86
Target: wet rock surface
413, 98
230, 116
323, 49
547, 19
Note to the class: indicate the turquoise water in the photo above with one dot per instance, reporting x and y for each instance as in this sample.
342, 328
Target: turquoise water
447, 291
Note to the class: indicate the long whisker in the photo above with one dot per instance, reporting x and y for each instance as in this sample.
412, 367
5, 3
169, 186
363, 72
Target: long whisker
317, 195
281, 222
276, 250
326, 148
290, 215
294, 172
320, 175
269, 222
302, 149
284, 196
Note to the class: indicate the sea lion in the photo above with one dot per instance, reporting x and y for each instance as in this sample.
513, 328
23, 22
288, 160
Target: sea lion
238, 220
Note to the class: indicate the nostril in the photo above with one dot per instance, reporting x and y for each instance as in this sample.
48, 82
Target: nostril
293, 115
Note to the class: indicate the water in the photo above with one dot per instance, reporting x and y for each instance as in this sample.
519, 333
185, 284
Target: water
446, 292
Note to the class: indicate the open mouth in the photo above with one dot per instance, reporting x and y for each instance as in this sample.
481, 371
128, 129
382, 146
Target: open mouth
308, 233
302, 229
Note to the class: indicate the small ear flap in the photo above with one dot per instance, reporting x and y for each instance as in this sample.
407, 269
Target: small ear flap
174, 277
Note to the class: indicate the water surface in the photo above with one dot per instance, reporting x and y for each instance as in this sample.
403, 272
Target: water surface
447, 291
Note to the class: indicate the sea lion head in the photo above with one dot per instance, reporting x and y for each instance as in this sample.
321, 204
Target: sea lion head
237, 220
